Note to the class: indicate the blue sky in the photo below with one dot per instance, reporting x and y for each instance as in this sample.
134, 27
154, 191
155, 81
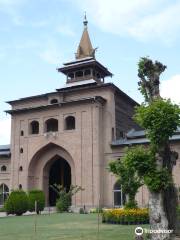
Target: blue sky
37, 36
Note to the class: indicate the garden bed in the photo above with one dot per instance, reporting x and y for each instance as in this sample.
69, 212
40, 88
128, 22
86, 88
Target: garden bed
125, 216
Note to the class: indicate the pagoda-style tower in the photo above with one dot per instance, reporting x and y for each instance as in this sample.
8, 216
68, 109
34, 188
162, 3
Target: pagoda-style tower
85, 68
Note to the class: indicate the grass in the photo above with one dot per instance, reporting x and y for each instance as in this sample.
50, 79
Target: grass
62, 227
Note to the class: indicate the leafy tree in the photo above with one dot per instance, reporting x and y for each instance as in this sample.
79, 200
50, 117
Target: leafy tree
127, 177
160, 119
64, 197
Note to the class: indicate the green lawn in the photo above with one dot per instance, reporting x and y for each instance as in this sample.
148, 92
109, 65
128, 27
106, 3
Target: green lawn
62, 226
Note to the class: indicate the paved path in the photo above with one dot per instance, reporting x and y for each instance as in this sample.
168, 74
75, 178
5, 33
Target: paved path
3, 214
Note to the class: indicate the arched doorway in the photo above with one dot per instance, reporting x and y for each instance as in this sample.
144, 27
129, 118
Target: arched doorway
60, 174
45, 167
119, 197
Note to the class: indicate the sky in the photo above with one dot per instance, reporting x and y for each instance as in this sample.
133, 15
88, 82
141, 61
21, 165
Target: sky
36, 37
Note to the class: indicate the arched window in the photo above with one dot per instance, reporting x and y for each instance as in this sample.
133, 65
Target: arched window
20, 186
3, 168
70, 123
4, 193
53, 101
51, 125
119, 197
34, 127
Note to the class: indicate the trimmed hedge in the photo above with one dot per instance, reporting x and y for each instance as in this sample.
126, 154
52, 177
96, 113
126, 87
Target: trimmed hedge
36, 195
17, 203
125, 216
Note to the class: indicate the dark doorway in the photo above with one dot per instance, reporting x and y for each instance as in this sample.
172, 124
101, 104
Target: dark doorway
60, 173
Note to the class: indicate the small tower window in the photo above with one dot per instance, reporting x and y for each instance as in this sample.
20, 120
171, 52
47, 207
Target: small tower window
34, 127
51, 125
22, 133
21, 150
3, 168
98, 75
71, 75
70, 123
79, 74
53, 101
87, 72
20, 168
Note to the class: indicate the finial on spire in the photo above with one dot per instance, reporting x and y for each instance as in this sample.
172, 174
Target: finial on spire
85, 20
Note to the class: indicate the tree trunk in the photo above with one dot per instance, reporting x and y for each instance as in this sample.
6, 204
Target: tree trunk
158, 219
170, 194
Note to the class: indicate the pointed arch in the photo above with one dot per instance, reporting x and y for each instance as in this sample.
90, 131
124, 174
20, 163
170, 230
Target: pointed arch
40, 165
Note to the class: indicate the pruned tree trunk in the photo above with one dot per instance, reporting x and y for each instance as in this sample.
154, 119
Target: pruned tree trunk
158, 219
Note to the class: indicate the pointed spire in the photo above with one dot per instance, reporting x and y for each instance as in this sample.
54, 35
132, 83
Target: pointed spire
85, 48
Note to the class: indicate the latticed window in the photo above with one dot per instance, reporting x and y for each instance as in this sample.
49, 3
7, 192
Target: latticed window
4, 193
119, 197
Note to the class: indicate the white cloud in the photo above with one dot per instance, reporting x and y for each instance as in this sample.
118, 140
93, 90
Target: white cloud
144, 20
11, 8
170, 88
5, 129
50, 55
65, 30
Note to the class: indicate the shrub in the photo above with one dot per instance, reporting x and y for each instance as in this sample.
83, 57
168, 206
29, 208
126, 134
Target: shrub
64, 197
125, 216
36, 195
2, 209
63, 203
17, 203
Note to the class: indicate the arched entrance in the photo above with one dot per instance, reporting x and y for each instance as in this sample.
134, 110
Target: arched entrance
60, 174
52, 164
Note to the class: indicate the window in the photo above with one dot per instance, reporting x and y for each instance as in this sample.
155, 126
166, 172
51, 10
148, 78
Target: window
22, 133
20, 168
119, 197
20, 186
4, 193
53, 101
98, 75
34, 127
21, 150
79, 74
3, 168
51, 125
71, 75
70, 123
87, 72
112, 134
